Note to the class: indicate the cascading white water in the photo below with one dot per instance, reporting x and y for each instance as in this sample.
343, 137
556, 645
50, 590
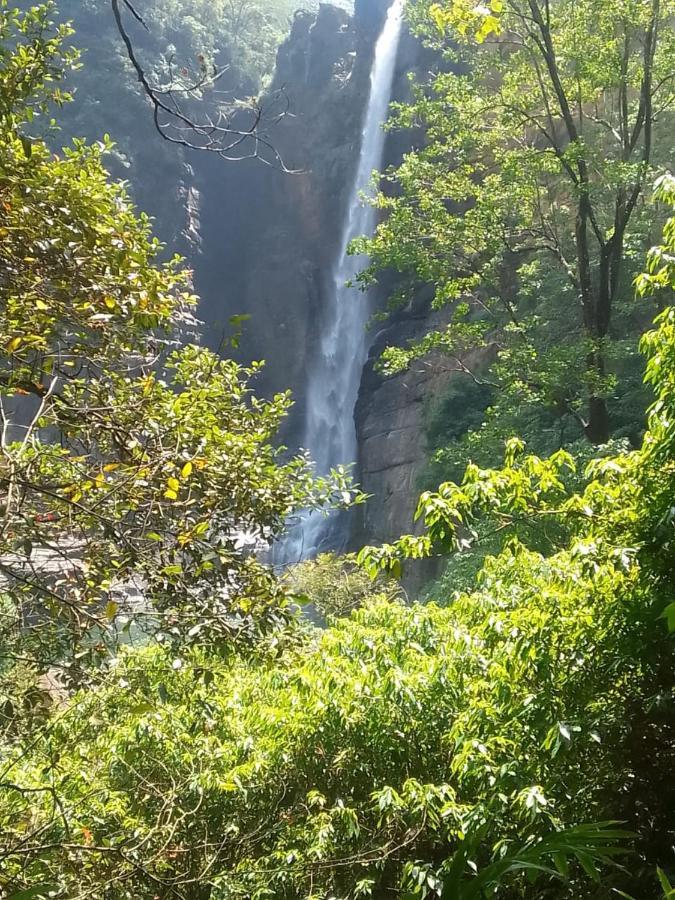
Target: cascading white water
333, 381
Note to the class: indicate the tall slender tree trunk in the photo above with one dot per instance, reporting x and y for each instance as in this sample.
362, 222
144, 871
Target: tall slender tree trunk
597, 425
597, 328
596, 302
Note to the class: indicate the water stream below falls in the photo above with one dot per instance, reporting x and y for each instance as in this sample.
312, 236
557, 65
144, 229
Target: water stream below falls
335, 374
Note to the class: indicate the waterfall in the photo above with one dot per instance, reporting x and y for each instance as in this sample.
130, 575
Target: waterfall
334, 377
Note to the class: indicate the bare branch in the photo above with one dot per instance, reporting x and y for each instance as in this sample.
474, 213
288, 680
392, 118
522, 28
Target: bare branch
234, 130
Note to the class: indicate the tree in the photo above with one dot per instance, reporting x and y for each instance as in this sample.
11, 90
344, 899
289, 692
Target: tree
131, 464
529, 498
524, 209
335, 586
420, 751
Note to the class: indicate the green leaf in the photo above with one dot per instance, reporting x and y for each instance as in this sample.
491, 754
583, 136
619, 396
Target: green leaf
588, 865
561, 863
668, 889
669, 615
39, 891
111, 609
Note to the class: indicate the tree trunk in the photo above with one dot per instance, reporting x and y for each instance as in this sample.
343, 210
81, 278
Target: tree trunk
597, 428
597, 319
596, 302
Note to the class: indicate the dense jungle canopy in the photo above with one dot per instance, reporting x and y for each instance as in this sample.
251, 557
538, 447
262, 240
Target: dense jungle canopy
181, 719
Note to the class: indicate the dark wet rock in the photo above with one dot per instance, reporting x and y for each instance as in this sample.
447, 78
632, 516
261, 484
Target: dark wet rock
269, 238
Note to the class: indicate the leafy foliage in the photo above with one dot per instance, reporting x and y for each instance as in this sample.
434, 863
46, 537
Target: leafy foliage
529, 492
450, 419
335, 585
130, 464
524, 208
344, 765
424, 751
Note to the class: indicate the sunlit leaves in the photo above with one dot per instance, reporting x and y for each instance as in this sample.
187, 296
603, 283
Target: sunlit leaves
526, 488
29, 75
128, 464
420, 727
538, 106
469, 20
660, 274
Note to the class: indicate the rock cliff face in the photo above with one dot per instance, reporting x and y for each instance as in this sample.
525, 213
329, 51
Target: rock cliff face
269, 241
106, 99
390, 418
268, 237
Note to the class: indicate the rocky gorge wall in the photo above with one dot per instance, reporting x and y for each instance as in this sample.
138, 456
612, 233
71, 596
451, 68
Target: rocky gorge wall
269, 237
391, 415
268, 243
262, 242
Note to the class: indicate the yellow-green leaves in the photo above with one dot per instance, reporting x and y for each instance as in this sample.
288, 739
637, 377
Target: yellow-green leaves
439, 16
173, 485
466, 19
526, 488
111, 610
398, 723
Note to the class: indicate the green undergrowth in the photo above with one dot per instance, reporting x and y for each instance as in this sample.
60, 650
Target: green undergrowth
392, 736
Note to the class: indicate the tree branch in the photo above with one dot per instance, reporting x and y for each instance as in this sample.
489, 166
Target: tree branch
221, 133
